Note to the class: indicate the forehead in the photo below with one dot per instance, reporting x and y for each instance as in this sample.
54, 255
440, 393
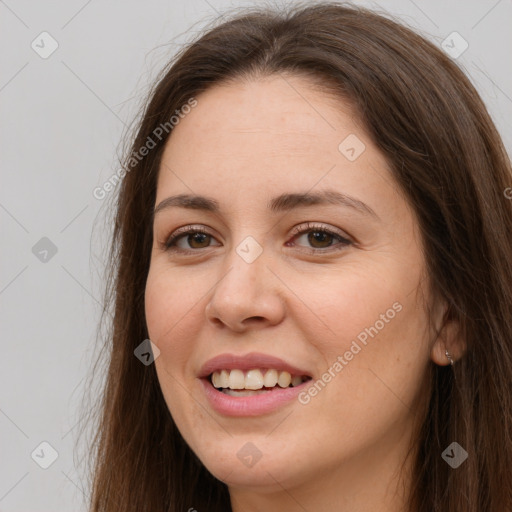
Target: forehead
269, 112
277, 133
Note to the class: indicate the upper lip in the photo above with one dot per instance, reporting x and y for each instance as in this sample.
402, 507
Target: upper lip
248, 362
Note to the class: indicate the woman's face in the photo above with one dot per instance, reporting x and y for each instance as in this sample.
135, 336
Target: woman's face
337, 301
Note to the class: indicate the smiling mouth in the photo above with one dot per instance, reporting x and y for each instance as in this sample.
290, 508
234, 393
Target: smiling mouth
257, 381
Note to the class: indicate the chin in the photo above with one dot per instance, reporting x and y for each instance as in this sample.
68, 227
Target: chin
261, 476
242, 464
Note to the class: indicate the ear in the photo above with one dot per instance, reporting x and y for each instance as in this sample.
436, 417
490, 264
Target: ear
449, 339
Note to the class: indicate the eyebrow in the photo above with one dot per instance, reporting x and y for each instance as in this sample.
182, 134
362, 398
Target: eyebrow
281, 203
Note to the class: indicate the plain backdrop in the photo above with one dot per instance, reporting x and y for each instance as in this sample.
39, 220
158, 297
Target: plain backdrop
62, 119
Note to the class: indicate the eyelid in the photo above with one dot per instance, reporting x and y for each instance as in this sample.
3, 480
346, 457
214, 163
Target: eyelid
310, 226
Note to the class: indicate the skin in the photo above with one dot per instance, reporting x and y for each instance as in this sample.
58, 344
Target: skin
243, 144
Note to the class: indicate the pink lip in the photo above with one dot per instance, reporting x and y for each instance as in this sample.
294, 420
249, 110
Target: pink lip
250, 405
255, 405
248, 362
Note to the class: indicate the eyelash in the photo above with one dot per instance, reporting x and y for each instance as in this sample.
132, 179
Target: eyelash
170, 243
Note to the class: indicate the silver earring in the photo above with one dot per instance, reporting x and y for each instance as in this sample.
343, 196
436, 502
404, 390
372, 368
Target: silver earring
449, 357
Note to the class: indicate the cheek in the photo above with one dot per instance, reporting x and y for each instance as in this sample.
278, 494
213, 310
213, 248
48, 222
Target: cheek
172, 325
374, 322
345, 303
168, 301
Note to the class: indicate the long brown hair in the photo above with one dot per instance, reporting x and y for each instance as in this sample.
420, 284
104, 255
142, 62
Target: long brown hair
446, 157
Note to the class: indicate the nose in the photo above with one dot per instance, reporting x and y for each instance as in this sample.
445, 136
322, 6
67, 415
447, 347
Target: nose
248, 296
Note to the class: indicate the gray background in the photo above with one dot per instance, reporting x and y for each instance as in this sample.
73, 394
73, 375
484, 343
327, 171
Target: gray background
62, 119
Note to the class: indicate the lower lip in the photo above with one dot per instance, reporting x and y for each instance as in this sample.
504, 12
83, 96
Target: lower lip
255, 405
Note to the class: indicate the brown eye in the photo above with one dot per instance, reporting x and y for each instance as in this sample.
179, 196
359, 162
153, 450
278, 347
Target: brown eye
319, 239
194, 239
199, 238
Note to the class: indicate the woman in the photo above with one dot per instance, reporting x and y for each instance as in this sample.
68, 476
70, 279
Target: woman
341, 337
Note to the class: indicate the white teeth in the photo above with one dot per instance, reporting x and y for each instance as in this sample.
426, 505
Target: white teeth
236, 379
224, 379
221, 379
216, 380
270, 379
284, 380
254, 380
